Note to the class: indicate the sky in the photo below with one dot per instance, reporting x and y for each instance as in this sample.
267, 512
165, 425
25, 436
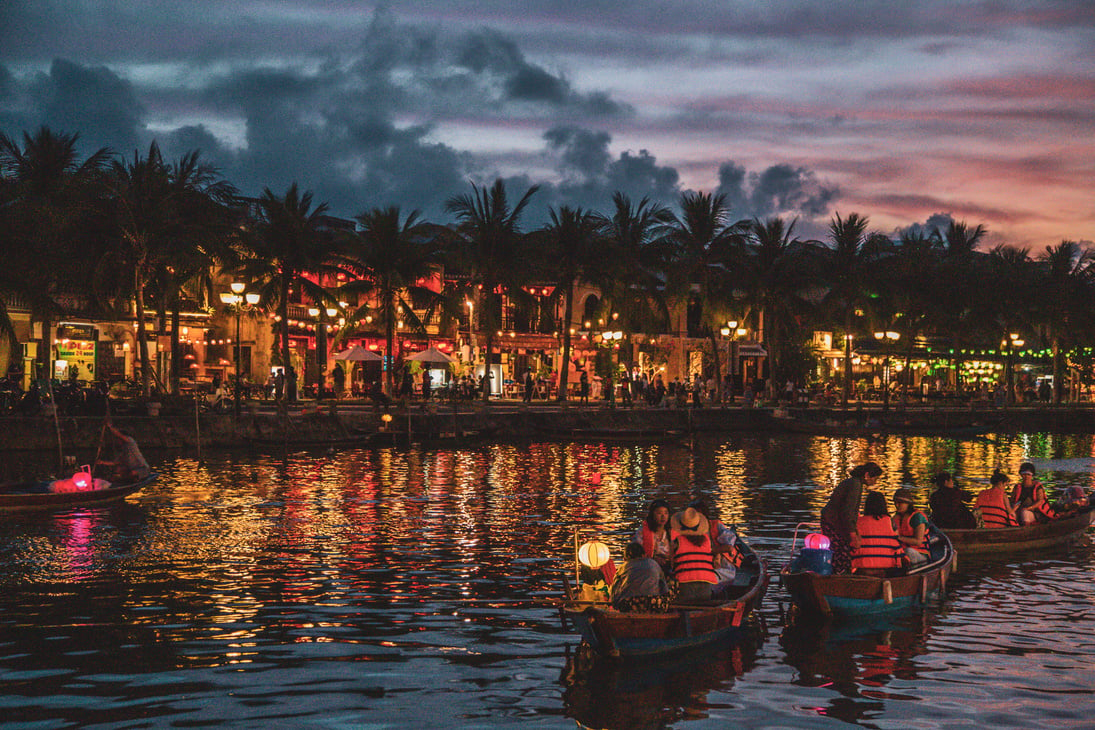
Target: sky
908, 113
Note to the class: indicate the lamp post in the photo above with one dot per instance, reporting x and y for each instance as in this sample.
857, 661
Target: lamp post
238, 300
731, 331
889, 338
1013, 341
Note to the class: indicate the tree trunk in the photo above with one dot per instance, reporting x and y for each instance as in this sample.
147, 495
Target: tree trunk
1056, 370
176, 349
847, 359
564, 366
142, 339
283, 305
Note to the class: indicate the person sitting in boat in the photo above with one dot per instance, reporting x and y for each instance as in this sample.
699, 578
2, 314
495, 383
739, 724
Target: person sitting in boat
724, 544
1073, 500
993, 504
693, 562
128, 464
653, 534
880, 553
640, 584
911, 526
1029, 498
948, 504
838, 517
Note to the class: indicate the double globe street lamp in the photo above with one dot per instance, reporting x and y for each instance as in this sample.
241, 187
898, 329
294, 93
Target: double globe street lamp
239, 301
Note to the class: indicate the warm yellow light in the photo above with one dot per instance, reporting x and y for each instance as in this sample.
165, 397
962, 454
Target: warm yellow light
387, 417
313, 311
593, 554
238, 287
252, 298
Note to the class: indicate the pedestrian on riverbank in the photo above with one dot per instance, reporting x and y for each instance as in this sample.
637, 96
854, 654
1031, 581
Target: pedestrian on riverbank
291, 384
583, 387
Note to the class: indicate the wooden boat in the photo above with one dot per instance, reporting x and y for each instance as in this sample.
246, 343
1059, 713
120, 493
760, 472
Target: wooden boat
874, 428
613, 633
25, 496
850, 595
1040, 534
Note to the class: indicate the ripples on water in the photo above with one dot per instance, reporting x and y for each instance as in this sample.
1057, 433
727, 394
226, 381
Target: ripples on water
408, 588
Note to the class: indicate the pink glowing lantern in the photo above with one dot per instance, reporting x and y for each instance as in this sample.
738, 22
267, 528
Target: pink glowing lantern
817, 541
82, 480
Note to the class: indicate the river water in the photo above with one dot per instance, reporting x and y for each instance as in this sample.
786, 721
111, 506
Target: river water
409, 588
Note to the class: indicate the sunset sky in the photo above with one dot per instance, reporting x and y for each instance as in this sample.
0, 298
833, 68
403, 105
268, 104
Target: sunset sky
905, 112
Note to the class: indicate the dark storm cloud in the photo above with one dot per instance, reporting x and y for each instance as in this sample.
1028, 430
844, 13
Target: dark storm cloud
777, 190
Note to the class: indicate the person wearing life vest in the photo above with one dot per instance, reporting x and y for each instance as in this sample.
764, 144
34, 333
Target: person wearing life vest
1029, 498
993, 503
724, 547
879, 549
653, 534
693, 562
911, 526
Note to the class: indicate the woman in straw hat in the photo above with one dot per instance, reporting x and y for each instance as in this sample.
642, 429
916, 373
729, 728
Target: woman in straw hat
693, 562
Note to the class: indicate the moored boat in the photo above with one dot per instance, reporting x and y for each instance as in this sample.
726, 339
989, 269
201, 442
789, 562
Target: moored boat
1006, 539
851, 595
25, 496
615, 633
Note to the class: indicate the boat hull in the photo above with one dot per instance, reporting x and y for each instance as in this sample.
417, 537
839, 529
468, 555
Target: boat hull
851, 596
623, 634
1009, 539
13, 500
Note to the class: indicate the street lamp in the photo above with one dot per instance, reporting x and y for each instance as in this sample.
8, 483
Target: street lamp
1013, 341
889, 338
731, 331
239, 301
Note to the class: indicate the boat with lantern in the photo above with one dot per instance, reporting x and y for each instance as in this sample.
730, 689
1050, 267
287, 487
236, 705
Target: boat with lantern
79, 490
817, 591
613, 633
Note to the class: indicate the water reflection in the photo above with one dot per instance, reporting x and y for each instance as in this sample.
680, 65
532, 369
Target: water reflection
373, 586
602, 693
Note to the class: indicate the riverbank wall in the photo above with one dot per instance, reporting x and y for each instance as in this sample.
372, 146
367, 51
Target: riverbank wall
349, 425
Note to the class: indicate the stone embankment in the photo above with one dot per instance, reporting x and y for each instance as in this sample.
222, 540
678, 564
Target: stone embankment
309, 424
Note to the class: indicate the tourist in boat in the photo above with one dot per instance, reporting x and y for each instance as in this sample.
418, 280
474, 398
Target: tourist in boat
839, 516
1029, 498
653, 534
948, 504
693, 563
879, 551
993, 503
128, 464
911, 526
724, 545
640, 584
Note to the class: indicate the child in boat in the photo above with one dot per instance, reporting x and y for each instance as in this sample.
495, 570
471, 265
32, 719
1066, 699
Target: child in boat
879, 552
911, 526
640, 585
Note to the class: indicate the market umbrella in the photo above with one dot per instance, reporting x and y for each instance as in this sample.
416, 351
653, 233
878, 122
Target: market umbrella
431, 356
357, 353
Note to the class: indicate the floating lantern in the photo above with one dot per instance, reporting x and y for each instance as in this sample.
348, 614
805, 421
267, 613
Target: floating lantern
593, 554
82, 480
817, 541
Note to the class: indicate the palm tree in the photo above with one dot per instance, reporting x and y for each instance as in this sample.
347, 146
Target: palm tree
576, 249
1068, 274
290, 239
846, 268
49, 201
774, 275
488, 248
696, 251
171, 219
392, 255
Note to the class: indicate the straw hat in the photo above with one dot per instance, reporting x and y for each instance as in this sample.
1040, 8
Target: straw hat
689, 522
904, 495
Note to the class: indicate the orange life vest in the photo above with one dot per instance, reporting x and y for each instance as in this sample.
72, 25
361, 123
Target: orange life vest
1033, 499
905, 529
694, 562
878, 544
994, 508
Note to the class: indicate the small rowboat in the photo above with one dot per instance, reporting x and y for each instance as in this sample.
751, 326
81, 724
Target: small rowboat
1040, 534
24, 496
613, 633
850, 596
